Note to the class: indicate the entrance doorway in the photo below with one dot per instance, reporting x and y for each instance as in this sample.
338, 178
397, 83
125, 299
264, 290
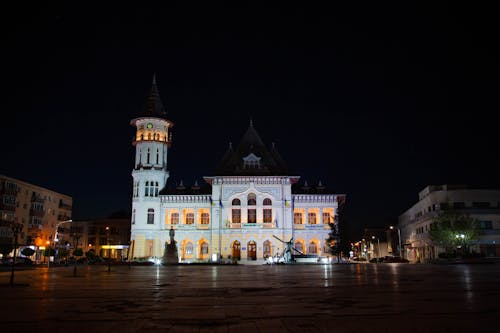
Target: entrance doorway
252, 251
236, 250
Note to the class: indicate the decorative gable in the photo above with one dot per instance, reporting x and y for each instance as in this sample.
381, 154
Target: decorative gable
251, 161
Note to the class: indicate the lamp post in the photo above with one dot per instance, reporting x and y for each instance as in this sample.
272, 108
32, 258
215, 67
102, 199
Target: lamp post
378, 246
76, 237
16, 229
109, 250
399, 239
48, 251
55, 235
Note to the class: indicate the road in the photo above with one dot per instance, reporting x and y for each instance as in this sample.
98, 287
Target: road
250, 298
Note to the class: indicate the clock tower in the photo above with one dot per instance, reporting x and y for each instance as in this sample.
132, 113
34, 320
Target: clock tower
152, 140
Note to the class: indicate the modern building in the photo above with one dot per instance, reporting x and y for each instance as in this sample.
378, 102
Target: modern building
481, 204
248, 201
38, 209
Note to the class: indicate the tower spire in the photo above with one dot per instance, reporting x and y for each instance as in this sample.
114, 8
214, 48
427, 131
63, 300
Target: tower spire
153, 105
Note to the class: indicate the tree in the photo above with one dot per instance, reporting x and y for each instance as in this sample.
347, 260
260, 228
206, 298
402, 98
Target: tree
28, 252
451, 229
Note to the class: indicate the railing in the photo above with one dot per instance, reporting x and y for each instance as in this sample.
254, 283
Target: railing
37, 212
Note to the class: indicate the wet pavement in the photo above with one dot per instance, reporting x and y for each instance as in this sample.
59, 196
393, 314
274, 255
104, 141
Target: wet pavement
250, 298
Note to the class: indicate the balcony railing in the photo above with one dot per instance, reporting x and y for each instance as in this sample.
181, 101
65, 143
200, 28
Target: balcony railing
37, 212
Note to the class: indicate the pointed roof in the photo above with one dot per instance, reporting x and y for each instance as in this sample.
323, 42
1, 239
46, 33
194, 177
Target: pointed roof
251, 157
153, 107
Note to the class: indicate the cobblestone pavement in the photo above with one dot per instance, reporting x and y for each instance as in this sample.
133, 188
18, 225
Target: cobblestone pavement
243, 298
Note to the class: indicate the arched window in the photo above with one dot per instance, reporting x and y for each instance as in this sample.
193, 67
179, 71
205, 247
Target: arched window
133, 216
204, 248
298, 246
151, 216
205, 218
148, 155
157, 156
236, 202
189, 218
146, 189
252, 199
267, 252
156, 189
189, 248
313, 248
267, 202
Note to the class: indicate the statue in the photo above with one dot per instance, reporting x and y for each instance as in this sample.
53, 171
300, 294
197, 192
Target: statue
170, 255
287, 252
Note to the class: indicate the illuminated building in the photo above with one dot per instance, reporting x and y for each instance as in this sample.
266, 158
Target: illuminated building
248, 200
481, 204
37, 208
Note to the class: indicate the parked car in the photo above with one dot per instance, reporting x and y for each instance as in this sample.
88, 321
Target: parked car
19, 261
391, 259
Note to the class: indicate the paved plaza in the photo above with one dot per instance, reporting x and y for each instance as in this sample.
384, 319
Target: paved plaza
253, 298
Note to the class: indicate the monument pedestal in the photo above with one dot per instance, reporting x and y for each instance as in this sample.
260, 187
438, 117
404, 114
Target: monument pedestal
170, 256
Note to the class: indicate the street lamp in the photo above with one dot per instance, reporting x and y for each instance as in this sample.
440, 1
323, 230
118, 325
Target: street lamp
55, 235
378, 244
16, 229
399, 239
109, 250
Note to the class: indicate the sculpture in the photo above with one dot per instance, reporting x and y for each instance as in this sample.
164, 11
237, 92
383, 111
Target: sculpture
287, 251
170, 255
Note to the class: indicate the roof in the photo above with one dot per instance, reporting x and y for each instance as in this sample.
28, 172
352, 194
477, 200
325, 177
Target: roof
178, 188
251, 158
153, 107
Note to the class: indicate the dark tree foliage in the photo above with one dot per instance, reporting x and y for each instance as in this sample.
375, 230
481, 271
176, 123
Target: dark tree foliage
5, 249
451, 230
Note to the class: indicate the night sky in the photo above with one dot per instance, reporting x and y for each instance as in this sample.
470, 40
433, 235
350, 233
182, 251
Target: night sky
376, 100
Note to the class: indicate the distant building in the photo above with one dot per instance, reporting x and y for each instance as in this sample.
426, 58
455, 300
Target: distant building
37, 208
482, 204
246, 202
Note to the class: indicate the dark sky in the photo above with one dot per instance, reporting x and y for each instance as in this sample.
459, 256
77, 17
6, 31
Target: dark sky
376, 100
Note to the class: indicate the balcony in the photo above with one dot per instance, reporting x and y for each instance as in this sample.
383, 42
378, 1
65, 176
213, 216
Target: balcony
298, 226
36, 212
203, 226
8, 207
316, 226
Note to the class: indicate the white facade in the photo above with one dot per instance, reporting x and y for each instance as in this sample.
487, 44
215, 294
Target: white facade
481, 204
238, 218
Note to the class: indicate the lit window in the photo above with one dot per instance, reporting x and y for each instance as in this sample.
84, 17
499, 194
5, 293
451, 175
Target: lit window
298, 246
267, 202
313, 248
205, 219
268, 215
236, 215
252, 216
189, 218
297, 218
204, 248
189, 248
236, 202
252, 199
312, 218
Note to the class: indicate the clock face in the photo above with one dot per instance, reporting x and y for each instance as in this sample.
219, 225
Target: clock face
149, 125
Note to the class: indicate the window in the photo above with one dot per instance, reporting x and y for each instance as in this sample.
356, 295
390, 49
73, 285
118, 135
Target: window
298, 246
326, 217
313, 248
204, 248
189, 218
148, 153
205, 219
483, 225
481, 205
189, 248
236, 215
267, 202
268, 215
297, 218
252, 215
133, 216
151, 216
174, 218
252, 199
146, 189
267, 249
312, 218
236, 202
